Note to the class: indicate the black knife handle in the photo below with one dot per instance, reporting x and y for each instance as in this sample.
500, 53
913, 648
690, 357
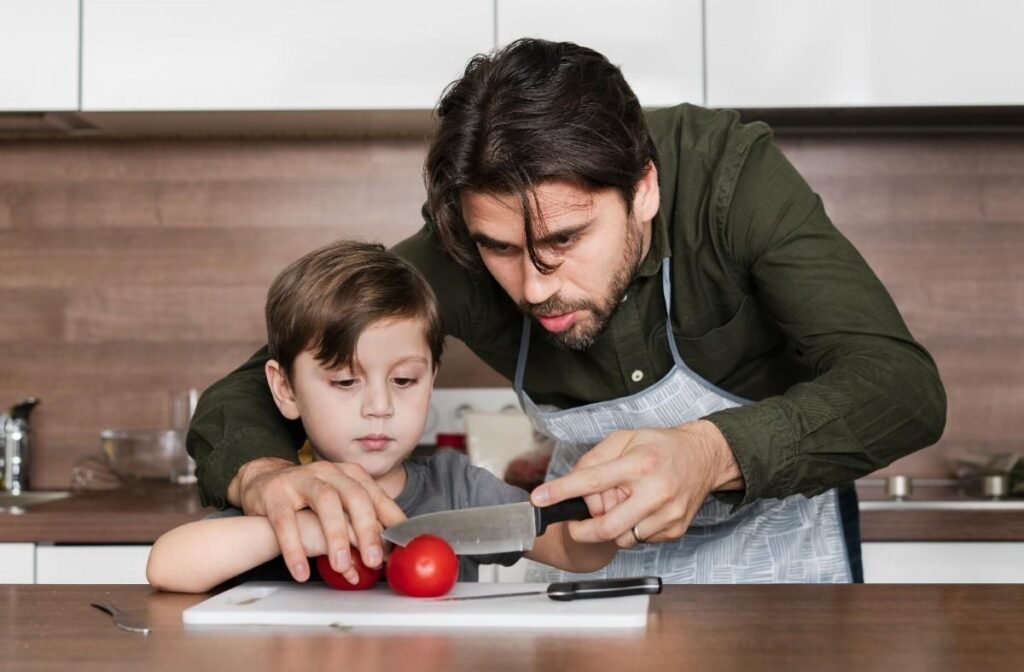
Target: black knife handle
570, 509
595, 588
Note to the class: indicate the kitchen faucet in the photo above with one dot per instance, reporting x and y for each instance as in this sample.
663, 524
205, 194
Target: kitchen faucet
14, 433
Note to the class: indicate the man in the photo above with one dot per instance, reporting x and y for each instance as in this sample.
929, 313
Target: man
716, 361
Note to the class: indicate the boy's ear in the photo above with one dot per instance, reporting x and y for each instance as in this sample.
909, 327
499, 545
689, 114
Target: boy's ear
282, 390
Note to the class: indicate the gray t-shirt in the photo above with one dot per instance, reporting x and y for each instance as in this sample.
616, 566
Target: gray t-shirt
440, 482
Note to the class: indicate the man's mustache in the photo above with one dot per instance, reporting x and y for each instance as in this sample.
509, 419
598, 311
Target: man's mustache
556, 306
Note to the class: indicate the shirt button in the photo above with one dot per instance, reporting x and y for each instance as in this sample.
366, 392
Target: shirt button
637, 376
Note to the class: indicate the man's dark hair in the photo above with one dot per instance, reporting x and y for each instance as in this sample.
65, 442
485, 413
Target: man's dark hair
530, 112
324, 301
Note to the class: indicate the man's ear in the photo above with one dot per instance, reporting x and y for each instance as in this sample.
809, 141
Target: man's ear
647, 198
282, 390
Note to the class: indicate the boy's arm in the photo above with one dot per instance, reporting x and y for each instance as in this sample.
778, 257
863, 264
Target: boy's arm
198, 556
558, 549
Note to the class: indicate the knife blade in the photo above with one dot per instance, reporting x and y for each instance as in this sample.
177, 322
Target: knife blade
484, 530
582, 590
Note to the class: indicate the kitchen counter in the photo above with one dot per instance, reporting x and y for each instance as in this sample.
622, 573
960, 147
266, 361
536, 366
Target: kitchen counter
937, 513
793, 628
114, 516
123, 516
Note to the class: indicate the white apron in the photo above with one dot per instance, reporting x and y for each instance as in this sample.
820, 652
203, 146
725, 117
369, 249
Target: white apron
792, 540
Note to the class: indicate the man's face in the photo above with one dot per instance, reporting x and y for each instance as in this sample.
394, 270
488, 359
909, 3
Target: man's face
593, 245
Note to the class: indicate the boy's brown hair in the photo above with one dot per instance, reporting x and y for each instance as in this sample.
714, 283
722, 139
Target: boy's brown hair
324, 301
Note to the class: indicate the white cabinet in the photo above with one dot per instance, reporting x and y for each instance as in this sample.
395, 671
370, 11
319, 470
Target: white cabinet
38, 55
828, 53
91, 564
17, 563
944, 562
657, 43
273, 55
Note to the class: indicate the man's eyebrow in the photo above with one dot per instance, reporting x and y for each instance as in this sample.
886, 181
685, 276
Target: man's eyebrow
546, 239
567, 232
487, 241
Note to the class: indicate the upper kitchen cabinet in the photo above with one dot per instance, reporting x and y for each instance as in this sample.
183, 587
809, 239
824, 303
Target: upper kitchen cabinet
864, 53
273, 55
38, 55
657, 43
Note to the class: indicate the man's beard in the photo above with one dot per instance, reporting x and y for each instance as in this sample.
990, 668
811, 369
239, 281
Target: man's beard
579, 337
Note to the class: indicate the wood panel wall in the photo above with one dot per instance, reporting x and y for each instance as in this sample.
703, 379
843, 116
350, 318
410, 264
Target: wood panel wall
130, 269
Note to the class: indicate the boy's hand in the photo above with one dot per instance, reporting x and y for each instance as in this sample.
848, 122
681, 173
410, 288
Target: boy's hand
277, 489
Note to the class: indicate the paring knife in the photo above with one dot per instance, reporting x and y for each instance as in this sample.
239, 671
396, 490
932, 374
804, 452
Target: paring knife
488, 529
582, 590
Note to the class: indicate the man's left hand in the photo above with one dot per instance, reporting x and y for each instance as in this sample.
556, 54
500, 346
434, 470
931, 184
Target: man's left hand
650, 480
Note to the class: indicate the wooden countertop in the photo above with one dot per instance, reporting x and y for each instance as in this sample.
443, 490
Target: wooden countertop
126, 516
112, 516
781, 627
922, 518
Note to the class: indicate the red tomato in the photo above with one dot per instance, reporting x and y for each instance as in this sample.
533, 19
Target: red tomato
426, 567
367, 577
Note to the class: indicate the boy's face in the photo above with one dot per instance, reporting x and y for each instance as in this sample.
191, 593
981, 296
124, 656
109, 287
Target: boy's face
372, 413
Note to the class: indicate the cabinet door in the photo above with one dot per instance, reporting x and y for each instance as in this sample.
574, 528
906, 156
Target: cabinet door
272, 55
944, 562
38, 55
657, 43
91, 564
827, 53
17, 563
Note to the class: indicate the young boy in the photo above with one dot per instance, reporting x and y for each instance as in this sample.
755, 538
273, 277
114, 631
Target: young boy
355, 340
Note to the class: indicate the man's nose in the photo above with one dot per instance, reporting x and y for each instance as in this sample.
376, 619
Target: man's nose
377, 401
538, 287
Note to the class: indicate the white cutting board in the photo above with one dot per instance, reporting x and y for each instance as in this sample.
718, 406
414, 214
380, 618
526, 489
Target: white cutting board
274, 603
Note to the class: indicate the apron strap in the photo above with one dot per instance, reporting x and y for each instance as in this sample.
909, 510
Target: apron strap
524, 347
666, 291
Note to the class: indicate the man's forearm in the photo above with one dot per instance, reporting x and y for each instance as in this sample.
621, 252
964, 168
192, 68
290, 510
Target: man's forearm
250, 470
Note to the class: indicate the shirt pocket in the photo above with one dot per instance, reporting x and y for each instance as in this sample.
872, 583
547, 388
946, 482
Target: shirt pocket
720, 351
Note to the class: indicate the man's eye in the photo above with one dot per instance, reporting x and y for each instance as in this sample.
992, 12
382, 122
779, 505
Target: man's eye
497, 248
345, 383
564, 241
405, 382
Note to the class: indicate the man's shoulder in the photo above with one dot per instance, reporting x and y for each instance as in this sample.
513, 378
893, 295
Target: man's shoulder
453, 284
713, 132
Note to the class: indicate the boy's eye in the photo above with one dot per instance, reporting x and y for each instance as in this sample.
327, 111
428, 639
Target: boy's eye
404, 382
344, 383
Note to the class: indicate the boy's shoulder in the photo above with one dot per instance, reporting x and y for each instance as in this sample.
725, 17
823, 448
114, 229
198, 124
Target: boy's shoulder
449, 475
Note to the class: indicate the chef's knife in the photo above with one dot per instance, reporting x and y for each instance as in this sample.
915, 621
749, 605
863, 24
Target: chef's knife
484, 530
582, 590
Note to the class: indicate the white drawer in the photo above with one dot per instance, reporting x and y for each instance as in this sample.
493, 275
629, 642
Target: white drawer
91, 564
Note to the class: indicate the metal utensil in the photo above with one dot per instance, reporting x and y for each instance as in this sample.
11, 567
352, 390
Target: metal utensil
122, 619
582, 590
488, 529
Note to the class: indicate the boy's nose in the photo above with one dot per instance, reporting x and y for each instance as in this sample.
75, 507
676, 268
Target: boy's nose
377, 403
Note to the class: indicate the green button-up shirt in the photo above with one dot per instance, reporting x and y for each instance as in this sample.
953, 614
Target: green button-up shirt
769, 302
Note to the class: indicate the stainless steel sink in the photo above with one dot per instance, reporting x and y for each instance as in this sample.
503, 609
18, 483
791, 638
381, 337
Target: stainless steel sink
29, 498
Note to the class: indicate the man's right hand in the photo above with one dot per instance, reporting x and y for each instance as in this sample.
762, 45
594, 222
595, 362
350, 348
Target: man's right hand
278, 489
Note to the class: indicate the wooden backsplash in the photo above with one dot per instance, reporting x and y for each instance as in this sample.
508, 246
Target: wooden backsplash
130, 269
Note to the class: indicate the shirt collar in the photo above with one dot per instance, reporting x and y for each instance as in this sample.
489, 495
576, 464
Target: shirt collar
659, 248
